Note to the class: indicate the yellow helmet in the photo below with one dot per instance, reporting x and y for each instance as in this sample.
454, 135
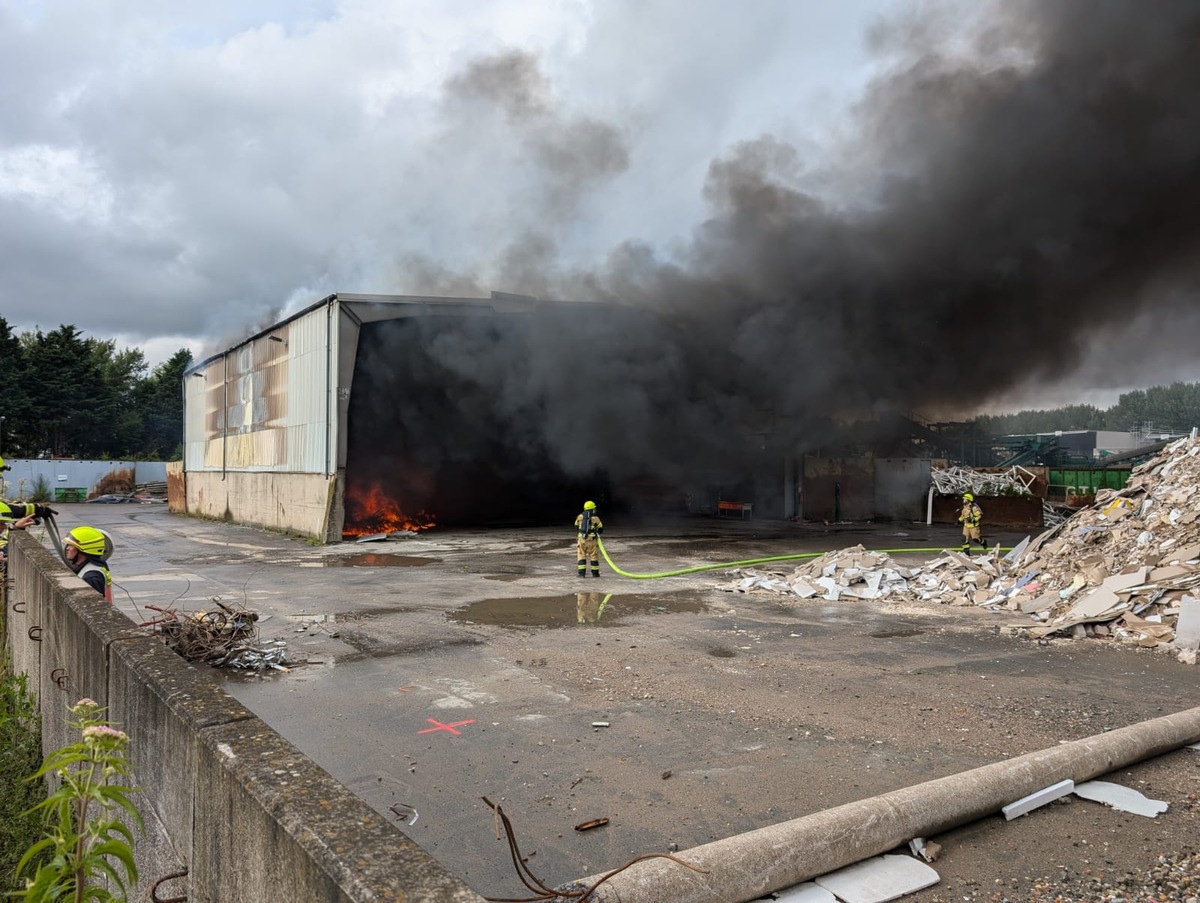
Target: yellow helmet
589, 506
6, 513
968, 497
90, 541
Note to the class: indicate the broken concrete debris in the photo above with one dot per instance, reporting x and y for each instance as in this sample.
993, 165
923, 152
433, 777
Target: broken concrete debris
1124, 799
1125, 569
926, 849
878, 880
1037, 799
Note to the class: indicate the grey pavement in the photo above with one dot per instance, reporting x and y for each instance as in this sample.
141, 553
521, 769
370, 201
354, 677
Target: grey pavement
436, 670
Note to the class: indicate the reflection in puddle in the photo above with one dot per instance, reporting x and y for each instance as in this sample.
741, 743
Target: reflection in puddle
594, 609
350, 617
375, 560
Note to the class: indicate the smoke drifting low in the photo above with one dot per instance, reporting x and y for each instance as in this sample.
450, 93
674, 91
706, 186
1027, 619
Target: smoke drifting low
1016, 187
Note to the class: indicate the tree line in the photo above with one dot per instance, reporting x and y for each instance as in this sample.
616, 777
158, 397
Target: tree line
1160, 408
67, 395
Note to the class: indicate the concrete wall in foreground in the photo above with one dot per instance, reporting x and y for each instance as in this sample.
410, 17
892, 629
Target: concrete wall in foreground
293, 502
228, 804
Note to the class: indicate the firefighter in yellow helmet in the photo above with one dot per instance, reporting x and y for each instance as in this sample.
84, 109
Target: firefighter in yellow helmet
588, 529
86, 550
970, 517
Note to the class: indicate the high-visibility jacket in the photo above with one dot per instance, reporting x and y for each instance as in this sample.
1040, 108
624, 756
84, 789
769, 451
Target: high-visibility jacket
971, 514
96, 575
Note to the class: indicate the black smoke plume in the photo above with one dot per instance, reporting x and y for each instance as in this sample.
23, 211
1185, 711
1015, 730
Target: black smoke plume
1020, 184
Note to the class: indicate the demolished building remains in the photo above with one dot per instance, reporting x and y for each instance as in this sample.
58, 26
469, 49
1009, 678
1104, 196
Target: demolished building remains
1126, 569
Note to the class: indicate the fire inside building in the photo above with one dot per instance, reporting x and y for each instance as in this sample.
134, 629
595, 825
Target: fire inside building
370, 414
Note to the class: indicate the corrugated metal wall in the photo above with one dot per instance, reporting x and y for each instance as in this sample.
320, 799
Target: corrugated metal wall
74, 473
264, 405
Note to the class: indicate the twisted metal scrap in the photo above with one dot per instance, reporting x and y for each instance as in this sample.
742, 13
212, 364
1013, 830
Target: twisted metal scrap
544, 893
227, 637
957, 480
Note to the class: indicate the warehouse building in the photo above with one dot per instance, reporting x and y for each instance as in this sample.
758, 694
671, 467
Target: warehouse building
324, 424
368, 414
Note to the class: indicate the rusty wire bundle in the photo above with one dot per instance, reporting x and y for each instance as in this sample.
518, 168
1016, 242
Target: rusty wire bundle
574, 891
225, 637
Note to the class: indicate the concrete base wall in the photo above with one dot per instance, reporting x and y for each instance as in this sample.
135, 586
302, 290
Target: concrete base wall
294, 502
227, 803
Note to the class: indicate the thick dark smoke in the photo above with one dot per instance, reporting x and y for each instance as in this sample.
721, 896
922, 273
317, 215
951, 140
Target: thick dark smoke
1018, 187
1015, 197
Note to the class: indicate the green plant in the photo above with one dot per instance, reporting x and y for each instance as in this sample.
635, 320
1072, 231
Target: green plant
20, 753
86, 830
41, 490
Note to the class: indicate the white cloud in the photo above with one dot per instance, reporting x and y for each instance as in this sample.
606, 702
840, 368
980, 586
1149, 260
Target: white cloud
58, 180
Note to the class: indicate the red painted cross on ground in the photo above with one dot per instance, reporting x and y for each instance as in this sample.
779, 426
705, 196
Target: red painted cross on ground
438, 726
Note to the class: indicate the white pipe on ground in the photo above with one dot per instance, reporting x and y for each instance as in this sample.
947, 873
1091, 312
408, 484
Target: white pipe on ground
747, 866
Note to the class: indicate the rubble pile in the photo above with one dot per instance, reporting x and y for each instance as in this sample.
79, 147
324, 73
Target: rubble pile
850, 573
855, 573
226, 638
1126, 568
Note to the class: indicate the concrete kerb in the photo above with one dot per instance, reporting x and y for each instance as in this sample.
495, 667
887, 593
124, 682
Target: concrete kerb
223, 795
78, 630
303, 836
28, 593
170, 701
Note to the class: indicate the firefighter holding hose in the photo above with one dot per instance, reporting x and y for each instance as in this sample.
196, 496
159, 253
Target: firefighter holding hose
18, 516
588, 529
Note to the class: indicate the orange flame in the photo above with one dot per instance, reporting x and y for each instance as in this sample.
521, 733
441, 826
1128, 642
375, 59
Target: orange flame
373, 512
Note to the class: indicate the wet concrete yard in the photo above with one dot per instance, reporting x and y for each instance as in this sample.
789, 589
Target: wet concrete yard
432, 671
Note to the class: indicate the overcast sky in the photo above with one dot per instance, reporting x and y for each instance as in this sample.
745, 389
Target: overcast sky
181, 174
176, 172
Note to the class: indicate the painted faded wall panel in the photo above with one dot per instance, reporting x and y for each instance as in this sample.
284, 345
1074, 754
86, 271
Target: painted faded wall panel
263, 406
203, 391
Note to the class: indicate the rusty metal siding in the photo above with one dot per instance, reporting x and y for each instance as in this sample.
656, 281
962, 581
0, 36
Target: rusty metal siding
202, 393
263, 406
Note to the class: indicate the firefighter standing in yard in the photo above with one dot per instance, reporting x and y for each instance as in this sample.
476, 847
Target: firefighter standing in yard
588, 527
970, 517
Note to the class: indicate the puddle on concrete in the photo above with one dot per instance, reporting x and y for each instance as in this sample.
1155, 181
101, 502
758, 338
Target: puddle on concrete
505, 578
350, 617
375, 560
887, 634
575, 609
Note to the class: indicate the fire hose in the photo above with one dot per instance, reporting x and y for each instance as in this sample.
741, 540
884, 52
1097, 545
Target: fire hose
748, 561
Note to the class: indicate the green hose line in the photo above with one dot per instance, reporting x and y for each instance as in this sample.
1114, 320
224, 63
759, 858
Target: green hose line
733, 564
